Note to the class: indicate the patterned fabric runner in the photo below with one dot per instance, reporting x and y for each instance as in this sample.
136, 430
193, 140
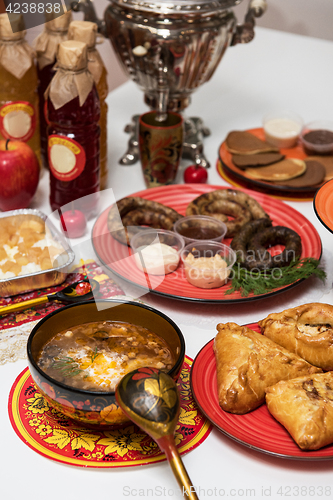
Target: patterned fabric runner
16, 327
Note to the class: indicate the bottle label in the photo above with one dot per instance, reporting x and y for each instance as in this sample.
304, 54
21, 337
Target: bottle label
67, 157
17, 120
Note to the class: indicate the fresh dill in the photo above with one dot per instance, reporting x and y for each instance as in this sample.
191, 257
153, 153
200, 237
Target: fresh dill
261, 282
94, 355
67, 366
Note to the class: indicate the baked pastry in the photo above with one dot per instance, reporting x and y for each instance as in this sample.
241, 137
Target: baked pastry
306, 330
304, 406
247, 363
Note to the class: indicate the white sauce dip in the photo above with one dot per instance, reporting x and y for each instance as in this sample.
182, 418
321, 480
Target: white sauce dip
157, 259
282, 132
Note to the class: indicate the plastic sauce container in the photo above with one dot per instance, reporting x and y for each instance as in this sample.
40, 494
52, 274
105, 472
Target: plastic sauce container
200, 228
282, 129
207, 264
157, 251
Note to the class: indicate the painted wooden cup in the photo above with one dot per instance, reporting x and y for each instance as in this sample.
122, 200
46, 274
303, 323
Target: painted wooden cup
160, 145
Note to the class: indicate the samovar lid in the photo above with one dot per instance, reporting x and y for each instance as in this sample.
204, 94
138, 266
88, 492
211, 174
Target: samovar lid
176, 6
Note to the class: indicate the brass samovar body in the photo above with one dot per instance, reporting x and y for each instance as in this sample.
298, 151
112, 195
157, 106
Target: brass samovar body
170, 48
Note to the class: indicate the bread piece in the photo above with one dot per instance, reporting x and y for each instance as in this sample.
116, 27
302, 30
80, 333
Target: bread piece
245, 143
247, 363
304, 406
306, 330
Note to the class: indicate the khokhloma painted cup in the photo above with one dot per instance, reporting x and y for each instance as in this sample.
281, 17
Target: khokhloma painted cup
160, 145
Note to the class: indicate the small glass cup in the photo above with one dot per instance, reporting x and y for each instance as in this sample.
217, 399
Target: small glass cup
207, 264
194, 228
282, 128
157, 251
321, 139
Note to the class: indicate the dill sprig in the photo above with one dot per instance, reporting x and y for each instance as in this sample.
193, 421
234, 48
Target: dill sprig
67, 366
261, 282
94, 355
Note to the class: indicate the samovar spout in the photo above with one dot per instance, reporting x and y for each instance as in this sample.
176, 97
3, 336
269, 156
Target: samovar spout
89, 12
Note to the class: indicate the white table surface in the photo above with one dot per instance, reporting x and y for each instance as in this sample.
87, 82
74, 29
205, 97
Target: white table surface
276, 71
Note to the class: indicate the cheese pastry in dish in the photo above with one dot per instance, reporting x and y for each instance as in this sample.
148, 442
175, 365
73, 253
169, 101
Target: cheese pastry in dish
247, 363
306, 330
304, 406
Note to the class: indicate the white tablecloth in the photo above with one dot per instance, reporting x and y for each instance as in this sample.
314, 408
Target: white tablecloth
276, 71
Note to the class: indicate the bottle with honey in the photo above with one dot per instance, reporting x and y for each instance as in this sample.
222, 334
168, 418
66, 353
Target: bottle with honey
85, 31
73, 114
46, 45
19, 115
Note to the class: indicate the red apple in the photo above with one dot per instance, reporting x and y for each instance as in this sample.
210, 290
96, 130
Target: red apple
74, 223
195, 174
19, 174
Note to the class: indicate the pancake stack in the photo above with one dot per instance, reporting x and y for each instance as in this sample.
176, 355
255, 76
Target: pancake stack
262, 161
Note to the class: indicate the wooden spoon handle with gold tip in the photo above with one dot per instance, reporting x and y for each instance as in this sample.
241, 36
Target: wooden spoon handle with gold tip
167, 444
20, 306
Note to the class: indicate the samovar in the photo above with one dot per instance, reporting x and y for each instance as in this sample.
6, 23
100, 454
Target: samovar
170, 48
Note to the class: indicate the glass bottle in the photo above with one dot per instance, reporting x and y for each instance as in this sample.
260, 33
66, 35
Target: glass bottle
73, 114
46, 45
85, 31
19, 115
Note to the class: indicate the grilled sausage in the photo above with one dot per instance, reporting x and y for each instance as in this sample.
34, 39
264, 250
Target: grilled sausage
135, 211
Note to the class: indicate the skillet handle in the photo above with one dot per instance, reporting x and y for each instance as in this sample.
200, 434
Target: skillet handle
20, 306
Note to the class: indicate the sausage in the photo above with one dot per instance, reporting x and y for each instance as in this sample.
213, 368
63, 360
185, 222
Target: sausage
258, 257
240, 242
204, 204
134, 211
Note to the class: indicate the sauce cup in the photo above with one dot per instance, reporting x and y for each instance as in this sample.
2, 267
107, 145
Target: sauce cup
195, 228
157, 251
317, 137
207, 264
282, 129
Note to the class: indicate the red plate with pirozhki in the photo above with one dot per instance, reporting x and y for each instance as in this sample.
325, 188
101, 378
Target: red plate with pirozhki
119, 259
257, 429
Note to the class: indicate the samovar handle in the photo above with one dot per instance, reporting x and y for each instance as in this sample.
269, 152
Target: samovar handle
88, 9
245, 32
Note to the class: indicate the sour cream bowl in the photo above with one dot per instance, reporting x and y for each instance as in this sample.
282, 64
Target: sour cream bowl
96, 409
157, 251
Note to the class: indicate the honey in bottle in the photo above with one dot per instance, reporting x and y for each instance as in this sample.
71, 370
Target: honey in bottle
46, 46
85, 31
19, 115
73, 114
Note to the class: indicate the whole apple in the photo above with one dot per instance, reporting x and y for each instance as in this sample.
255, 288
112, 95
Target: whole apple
19, 174
74, 223
195, 174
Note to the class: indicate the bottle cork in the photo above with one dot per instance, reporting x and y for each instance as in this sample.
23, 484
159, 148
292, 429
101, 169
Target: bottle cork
59, 23
13, 30
83, 31
72, 55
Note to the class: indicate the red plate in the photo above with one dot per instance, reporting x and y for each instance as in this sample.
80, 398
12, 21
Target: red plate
119, 259
257, 430
323, 205
260, 185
